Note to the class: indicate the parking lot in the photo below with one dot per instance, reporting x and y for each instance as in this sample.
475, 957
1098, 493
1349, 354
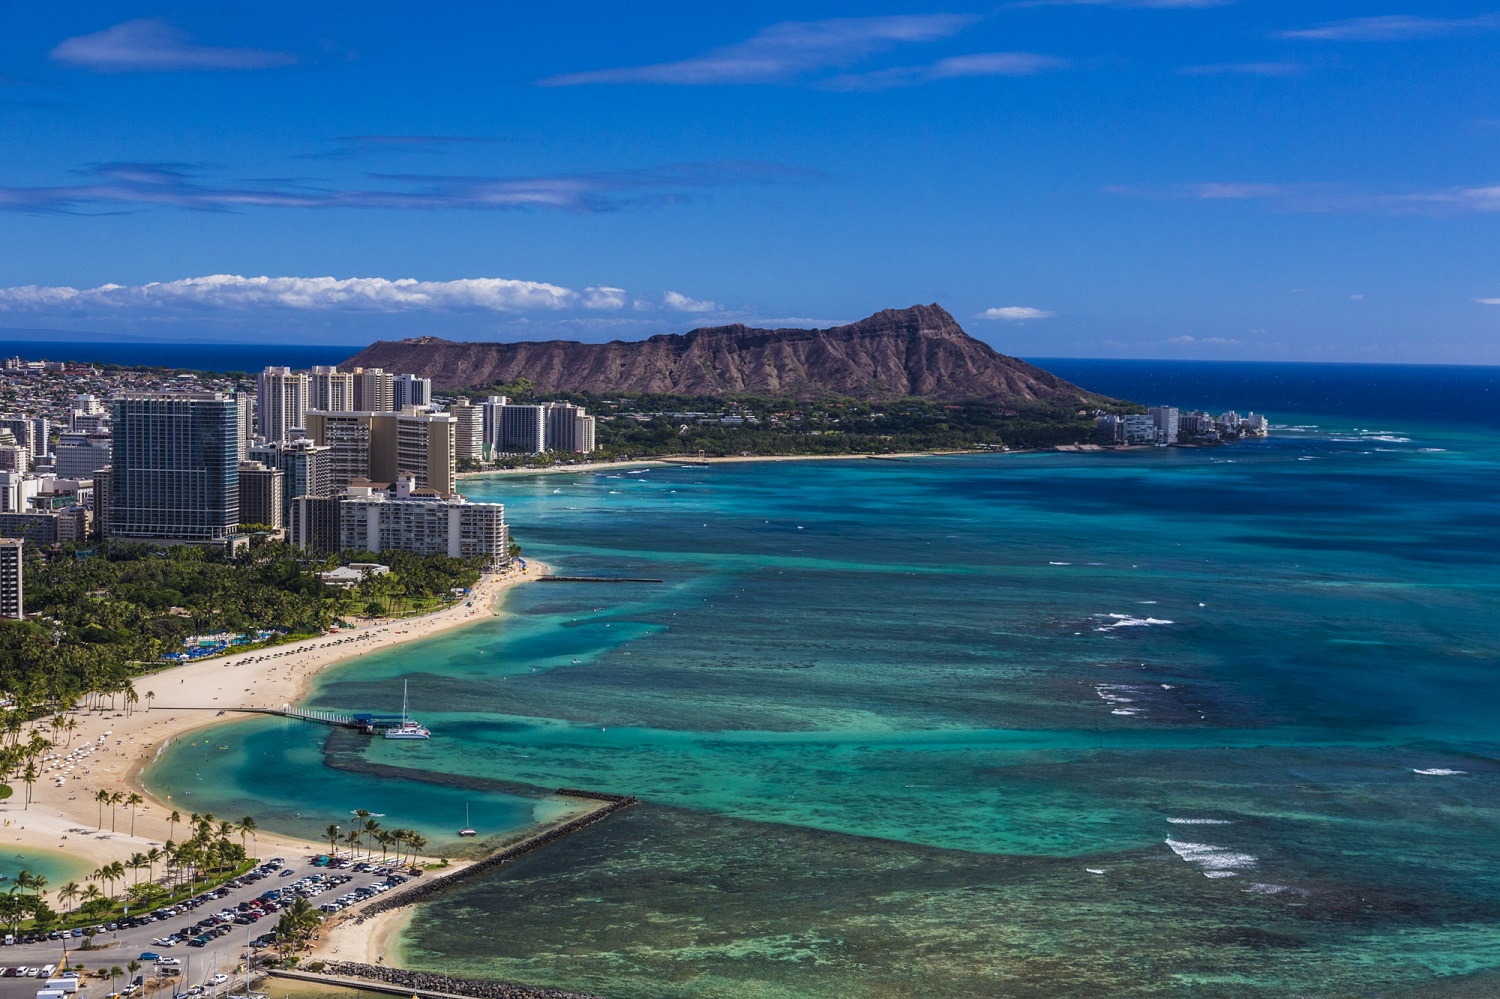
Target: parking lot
194, 948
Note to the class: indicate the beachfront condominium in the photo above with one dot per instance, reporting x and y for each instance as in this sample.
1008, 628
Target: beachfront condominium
569, 428
281, 403
409, 390
12, 597
468, 430
383, 446
377, 517
330, 389
492, 407
174, 468
374, 390
522, 430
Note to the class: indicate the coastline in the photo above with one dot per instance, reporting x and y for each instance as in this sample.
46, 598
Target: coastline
596, 466
186, 699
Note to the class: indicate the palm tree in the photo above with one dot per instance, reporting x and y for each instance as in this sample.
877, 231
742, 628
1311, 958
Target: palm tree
153, 857
136, 862
68, 893
296, 922
115, 972
371, 828
134, 801
172, 821
416, 841
101, 796
247, 825
133, 967
90, 892
332, 832
29, 776
115, 798
352, 837
150, 696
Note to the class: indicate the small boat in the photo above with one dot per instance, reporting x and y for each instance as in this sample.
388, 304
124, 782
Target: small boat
467, 830
409, 728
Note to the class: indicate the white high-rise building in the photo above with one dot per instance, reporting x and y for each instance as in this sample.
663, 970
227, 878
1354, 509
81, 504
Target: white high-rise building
1168, 423
330, 390
409, 390
373, 390
281, 402
468, 431
491, 408
569, 428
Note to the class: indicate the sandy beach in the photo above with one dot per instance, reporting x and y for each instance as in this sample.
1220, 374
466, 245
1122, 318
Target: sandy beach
109, 749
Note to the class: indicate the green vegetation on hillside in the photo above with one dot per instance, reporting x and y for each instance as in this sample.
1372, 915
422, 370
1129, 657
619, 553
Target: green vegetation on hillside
641, 426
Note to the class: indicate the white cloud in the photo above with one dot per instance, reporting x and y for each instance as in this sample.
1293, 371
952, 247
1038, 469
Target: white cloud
1015, 313
1244, 69
603, 297
148, 44
1394, 28
231, 291
1488, 301
782, 51
1334, 198
1138, 4
1207, 341
681, 303
954, 67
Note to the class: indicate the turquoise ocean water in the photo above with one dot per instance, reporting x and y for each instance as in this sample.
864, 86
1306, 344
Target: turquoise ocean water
1198, 723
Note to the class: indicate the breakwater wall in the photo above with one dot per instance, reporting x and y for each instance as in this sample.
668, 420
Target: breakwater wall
421, 892
400, 982
593, 579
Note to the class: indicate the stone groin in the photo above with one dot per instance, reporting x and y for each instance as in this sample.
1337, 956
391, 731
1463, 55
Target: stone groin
420, 982
421, 892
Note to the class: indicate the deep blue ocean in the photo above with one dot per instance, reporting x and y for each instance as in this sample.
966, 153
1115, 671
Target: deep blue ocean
1200, 723
246, 357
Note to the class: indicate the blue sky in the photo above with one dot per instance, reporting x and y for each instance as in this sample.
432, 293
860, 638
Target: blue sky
1125, 178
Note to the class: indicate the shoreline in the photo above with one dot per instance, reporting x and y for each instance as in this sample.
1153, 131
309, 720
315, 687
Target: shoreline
175, 702
690, 460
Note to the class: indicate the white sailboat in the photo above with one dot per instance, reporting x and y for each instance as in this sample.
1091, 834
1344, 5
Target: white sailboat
408, 729
467, 830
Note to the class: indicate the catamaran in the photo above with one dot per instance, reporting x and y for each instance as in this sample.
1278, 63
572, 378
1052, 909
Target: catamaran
408, 729
467, 830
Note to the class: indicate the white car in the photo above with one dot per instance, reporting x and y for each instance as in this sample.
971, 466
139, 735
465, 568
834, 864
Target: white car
168, 962
218, 979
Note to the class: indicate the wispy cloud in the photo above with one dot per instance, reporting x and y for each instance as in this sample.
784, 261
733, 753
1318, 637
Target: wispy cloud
350, 147
151, 45
1394, 28
1138, 4
234, 292
783, 52
955, 67
1488, 301
1245, 69
1015, 313
677, 302
1332, 198
116, 186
